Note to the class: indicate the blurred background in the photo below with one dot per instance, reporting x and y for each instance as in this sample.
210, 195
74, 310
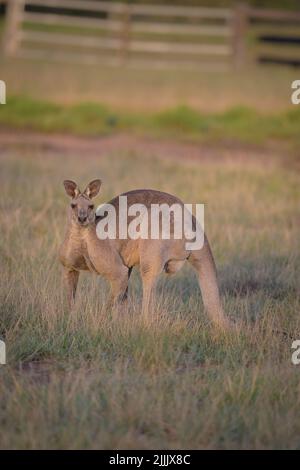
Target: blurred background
152, 55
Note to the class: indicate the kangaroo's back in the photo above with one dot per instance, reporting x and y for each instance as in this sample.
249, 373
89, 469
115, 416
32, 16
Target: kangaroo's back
147, 197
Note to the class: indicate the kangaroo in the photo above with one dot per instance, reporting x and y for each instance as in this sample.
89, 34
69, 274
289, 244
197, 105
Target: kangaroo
114, 259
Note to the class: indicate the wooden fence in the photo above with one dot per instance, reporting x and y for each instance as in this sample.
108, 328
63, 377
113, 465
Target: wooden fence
274, 36
89, 31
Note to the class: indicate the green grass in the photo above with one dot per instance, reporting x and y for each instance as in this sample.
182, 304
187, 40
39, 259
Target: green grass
206, 88
90, 380
239, 124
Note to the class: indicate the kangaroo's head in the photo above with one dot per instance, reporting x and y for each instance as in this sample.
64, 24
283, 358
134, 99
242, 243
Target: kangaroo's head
81, 208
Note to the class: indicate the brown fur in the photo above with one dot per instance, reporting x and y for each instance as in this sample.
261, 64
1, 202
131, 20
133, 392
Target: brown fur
114, 259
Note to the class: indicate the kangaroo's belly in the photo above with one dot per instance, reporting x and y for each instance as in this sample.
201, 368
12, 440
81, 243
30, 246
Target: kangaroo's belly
128, 250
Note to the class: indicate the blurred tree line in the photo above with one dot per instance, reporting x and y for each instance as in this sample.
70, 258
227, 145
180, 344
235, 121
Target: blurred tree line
273, 4
2, 8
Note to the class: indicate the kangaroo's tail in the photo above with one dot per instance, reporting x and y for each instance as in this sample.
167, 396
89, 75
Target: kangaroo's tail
203, 262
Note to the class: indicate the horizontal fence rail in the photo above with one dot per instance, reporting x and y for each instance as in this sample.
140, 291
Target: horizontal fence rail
274, 14
140, 46
91, 31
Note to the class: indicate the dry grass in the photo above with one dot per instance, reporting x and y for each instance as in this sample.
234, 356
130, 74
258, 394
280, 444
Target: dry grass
89, 380
204, 88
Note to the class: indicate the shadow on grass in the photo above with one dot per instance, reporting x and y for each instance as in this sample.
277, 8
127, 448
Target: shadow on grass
275, 277
269, 278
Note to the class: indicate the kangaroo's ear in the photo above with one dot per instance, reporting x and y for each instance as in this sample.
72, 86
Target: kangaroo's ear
71, 188
92, 188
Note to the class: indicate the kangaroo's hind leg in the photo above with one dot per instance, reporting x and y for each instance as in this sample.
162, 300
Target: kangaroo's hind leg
119, 287
150, 268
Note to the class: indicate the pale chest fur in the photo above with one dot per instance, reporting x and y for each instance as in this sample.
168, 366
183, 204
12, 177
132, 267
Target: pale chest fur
73, 252
82, 250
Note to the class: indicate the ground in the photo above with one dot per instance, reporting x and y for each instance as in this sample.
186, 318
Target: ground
90, 380
207, 89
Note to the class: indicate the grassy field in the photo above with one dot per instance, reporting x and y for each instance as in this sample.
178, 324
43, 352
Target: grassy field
239, 124
251, 105
151, 90
220, 136
89, 380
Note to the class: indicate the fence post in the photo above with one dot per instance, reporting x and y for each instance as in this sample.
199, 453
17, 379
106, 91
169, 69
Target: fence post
14, 14
240, 22
125, 32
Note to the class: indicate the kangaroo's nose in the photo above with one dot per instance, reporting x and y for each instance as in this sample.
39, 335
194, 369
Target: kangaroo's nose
82, 218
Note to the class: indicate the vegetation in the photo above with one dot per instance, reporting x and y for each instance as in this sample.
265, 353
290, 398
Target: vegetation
288, 4
90, 380
240, 124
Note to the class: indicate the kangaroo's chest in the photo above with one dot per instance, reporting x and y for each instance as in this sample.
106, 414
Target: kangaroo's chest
74, 254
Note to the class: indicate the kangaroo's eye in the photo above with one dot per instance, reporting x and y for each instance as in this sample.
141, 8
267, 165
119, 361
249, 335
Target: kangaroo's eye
73, 205
91, 206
